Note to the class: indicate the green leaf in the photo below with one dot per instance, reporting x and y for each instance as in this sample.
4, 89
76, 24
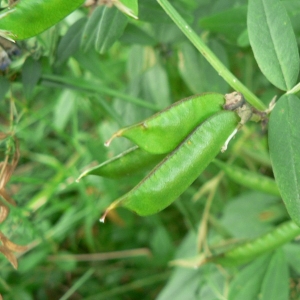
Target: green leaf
4, 87
128, 7
166, 34
273, 42
247, 283
156, 87
190, 67
135, 35
292, 251
275, 284
63, 109
90, 29
230, 23
150, 11
266, 278
31, 260
70, 42
31, 74
197, 73
251, 214
184, 282
111, 27
284, 143
92, 86
27, 19
293, 10
243, 39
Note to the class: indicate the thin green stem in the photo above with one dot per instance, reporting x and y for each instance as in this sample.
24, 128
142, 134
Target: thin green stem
294, 90
210, 56
80, 84
77, 284
188, 213
153, 280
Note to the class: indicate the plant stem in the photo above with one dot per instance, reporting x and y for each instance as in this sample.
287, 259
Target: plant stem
138, 284
210, 56
80, 84
294, 90
77, 284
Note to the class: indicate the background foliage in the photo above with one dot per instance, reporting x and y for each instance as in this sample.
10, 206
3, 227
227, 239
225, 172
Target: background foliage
65, 91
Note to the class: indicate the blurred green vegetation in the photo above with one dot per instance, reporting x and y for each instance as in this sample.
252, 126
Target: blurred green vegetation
63, 96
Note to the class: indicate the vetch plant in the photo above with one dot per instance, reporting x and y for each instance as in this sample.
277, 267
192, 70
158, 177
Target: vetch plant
199, 171
276, 52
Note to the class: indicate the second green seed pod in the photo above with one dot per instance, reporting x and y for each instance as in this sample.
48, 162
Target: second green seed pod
170, 178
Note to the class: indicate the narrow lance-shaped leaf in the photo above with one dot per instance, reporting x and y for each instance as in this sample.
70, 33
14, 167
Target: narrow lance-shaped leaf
31, 73
110, 28
70, 42
90, 29
4, 87
265, 278
273, 42
247, 283
197, 73
230, 23
284, 143
275, 284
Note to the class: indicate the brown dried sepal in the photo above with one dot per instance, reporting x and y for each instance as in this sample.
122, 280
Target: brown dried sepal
10, 256
235, 101
8, 247
6, 170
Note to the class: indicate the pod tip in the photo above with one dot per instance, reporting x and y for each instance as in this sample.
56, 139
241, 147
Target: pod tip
116, 134
102, 219
108, 209
107, 143
224, 148
80, 176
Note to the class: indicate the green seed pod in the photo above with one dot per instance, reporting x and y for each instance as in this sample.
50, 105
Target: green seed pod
170, 178
162, 132
249, 179
28, 18
249, 251
129, 162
